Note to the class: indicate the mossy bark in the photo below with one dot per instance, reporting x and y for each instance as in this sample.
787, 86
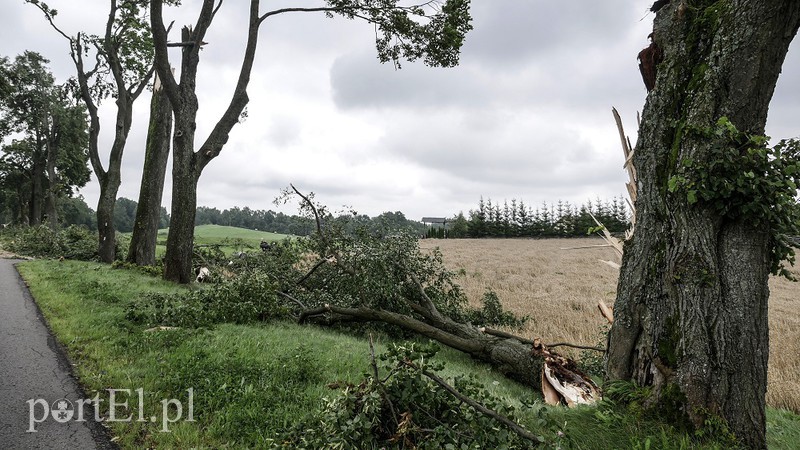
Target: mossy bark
148, 212
691, 308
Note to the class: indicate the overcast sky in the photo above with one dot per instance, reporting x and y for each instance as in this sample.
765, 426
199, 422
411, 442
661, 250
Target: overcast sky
526, 114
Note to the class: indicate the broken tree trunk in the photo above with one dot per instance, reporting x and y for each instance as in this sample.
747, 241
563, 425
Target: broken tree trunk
509, 355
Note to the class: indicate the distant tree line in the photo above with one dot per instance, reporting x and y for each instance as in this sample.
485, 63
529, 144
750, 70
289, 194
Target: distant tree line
254, 219
278, 222
125, 215
517, 219
488, 220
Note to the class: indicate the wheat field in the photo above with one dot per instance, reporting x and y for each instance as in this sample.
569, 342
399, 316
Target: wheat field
559, 290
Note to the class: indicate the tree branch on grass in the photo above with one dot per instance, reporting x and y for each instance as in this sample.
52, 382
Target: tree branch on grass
513, 426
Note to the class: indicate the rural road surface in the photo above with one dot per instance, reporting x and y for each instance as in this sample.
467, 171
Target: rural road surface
34, 370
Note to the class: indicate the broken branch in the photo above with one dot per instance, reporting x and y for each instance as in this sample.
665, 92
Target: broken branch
516, 428
503, 334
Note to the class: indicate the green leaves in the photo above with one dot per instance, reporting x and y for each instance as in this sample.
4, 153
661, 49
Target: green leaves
433, 31
744, 178
404, 408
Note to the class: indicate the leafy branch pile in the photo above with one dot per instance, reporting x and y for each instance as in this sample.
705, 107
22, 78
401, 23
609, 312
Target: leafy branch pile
355, 266
409, 406
73, 242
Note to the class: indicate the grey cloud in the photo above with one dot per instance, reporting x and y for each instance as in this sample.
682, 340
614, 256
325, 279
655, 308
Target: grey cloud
283, 131
358, 81
510, 32
525, 155
597, 74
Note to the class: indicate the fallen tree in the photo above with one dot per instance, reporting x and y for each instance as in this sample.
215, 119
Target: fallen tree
384, 278
509, 355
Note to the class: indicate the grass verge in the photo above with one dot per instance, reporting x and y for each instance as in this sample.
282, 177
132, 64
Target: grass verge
252, 383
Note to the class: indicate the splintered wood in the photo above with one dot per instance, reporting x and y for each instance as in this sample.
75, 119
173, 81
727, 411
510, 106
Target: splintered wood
562, 381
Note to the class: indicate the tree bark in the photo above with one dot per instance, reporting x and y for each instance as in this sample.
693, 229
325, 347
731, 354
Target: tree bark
36, 186
180, 240
509, 355
691, 307
50, 209
148, 212
188, 164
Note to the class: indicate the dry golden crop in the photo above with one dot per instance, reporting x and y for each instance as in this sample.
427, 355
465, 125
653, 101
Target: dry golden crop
560, 290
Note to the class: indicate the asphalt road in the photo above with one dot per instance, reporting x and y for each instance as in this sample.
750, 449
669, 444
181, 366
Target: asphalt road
34, 376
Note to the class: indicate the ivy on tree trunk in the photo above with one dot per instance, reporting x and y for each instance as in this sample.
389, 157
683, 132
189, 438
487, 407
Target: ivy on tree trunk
691, 309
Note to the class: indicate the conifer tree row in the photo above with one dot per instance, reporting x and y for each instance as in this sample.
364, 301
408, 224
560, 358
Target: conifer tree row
518, 219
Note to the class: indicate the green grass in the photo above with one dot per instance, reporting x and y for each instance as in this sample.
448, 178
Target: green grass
230, 239
218, 232
253, 382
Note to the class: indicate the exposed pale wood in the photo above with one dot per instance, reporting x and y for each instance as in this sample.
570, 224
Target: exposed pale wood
606, 311
551, 396
611, 263
563, 377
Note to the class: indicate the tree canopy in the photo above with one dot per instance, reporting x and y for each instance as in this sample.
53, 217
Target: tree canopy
48, 155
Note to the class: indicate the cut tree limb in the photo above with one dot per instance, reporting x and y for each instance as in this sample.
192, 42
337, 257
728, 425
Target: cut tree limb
503, 334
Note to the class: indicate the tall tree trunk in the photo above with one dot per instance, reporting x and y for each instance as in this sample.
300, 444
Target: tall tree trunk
691, 308
37, 178
36, 188
148, 212
109, 186
180, 241
52, 179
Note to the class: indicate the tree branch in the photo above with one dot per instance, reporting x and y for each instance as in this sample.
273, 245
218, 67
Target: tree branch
219, 135
313, 269
418, 326
310, 205
49, 18
428, 303
515, 427
161, 60
344, 10
503, 334
289, 297
582, 347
